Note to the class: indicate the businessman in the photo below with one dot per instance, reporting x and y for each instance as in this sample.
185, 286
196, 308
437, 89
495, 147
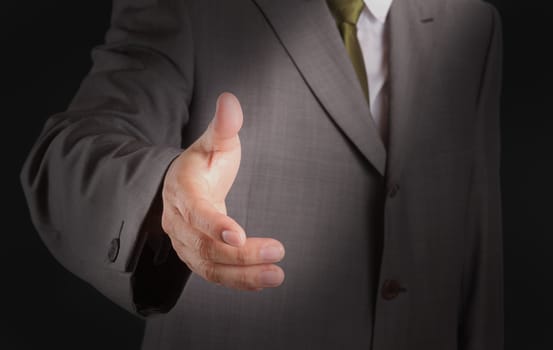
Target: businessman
293, 174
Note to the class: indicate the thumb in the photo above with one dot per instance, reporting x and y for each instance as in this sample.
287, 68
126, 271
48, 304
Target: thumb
222, 132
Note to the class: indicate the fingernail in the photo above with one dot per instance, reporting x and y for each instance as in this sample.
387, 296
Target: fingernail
271, 253
233, 238
270, 278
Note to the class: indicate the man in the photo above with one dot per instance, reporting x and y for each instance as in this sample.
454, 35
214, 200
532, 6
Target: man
363, 139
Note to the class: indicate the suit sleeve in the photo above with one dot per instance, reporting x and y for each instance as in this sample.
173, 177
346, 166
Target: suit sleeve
92, 180
481, 325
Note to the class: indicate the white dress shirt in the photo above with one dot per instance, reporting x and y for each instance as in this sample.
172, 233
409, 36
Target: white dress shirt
371, 33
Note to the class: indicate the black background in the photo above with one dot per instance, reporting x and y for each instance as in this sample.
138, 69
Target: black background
45, 53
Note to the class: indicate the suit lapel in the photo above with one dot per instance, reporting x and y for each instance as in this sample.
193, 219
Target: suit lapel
411, 25
308, 32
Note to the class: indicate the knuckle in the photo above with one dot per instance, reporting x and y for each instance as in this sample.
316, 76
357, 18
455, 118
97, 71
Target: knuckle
242, 281
179, 249
209, 272
184, 258
177, 246
241, 257
181, 253
204, 246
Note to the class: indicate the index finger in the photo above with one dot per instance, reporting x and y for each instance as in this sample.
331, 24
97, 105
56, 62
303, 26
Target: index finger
203, 216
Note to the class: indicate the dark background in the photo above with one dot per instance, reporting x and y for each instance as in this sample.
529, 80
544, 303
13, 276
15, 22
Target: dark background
45, 53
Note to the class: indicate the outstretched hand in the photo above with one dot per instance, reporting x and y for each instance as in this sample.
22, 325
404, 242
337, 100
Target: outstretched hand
209, 242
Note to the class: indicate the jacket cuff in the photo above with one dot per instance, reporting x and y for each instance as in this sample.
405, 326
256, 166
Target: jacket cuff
158, 273
156, 286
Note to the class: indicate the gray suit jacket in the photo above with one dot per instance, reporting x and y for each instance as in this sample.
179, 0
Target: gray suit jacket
388, 247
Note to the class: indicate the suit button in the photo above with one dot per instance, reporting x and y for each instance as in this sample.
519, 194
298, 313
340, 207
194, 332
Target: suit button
391, 289
394, 189
113, 250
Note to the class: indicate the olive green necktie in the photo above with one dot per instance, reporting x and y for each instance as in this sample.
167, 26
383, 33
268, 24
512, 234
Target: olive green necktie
346, 13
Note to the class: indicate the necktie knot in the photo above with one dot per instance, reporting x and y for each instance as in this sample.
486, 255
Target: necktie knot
346, 11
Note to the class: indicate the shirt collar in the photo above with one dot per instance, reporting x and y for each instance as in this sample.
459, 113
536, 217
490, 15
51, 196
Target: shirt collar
379, 8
